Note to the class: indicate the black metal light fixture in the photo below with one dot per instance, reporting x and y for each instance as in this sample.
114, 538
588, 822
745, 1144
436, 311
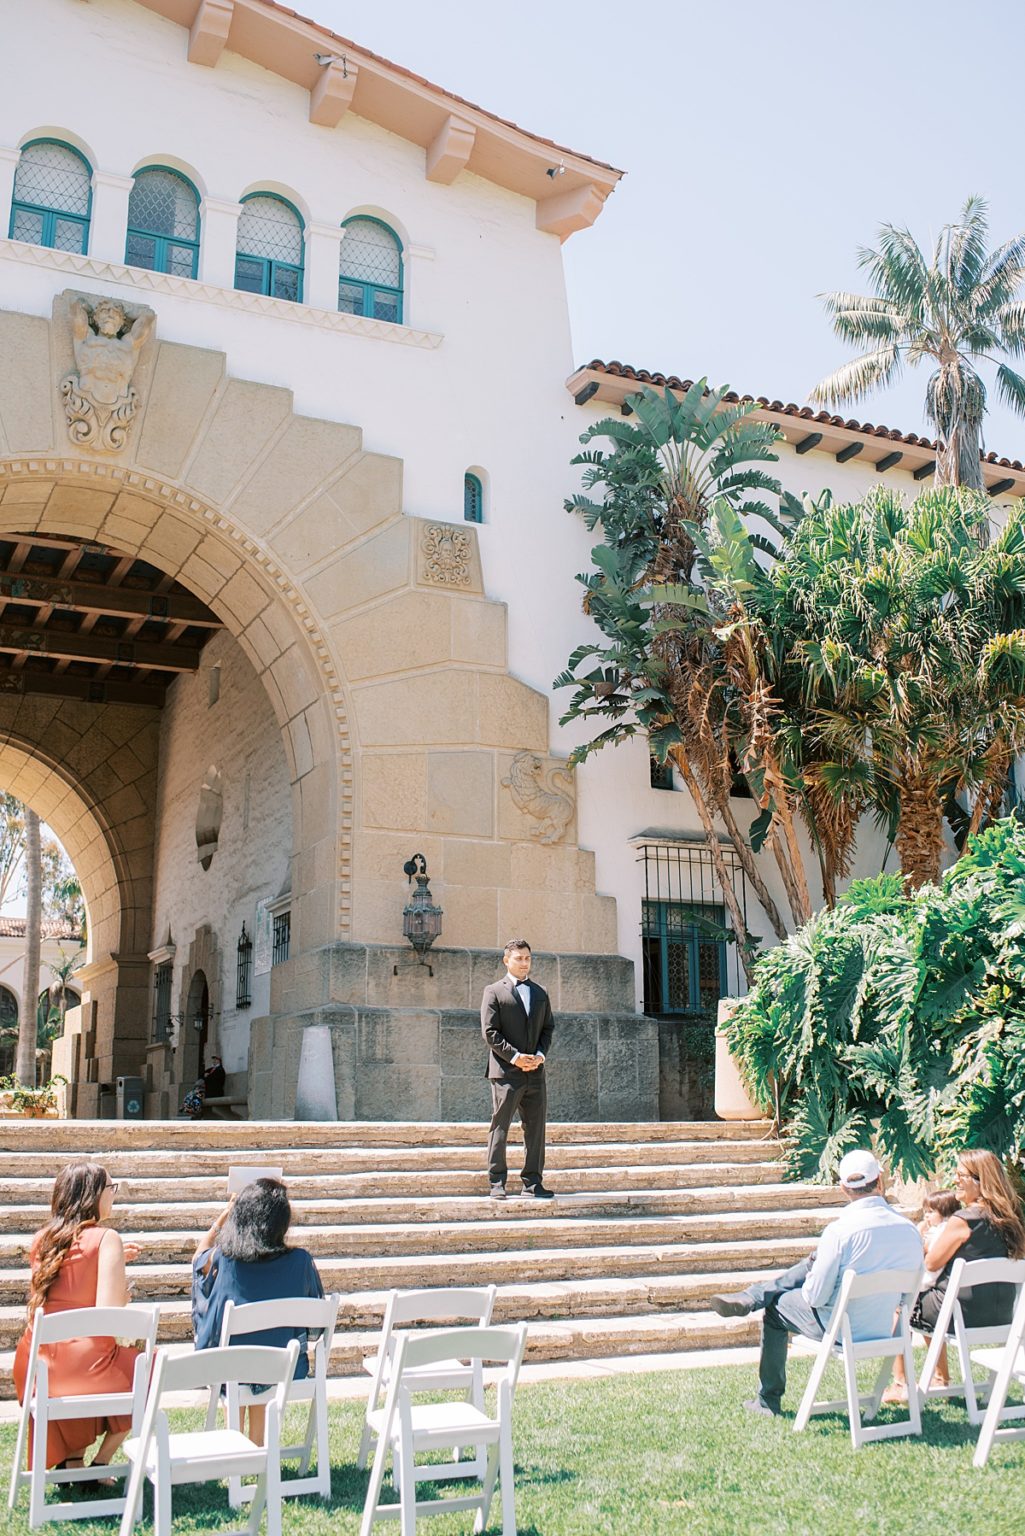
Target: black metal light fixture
244, 971
421, 919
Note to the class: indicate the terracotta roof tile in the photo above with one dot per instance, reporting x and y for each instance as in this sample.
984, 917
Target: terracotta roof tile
50, 928
780, 408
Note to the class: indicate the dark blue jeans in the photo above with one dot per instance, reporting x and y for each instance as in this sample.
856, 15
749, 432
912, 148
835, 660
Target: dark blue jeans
786, 1312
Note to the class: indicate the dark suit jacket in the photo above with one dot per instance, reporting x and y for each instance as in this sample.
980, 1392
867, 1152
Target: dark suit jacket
508, 1028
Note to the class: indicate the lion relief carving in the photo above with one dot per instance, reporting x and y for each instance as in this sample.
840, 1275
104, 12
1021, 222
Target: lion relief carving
537, 791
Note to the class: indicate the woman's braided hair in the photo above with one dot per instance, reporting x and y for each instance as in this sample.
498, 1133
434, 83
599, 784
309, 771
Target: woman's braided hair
75, 1204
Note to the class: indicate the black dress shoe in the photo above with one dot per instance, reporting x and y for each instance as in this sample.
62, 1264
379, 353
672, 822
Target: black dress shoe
740, 1304
498, 1192
538, 1192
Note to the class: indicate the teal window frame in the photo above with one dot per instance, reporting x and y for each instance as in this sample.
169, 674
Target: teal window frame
658, 934
370, 289
270, 265
161, 242
51, 215
473, 492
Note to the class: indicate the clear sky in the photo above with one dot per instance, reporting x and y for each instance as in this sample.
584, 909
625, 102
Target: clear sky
763, 145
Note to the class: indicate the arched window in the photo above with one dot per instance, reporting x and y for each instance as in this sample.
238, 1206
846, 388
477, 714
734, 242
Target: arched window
52, 196
370, 271
269, 255
163, 223
473, 499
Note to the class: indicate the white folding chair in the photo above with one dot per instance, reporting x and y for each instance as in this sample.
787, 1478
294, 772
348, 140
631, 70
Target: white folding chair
966, 1275
840, 1339
209, 1455
310, 1315
404, 1427
137, 1325
1006, 1365
451, 1304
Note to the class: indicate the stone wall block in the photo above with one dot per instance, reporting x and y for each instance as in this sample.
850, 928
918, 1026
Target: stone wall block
572, 1089
246, 418
437, 709
447, 556
479, 632
27, 393
369, 493
380, 855
394, 788
461, 793
410, 629
550, 915
464, 1055
185, 380
476, 863
414, 986
398, 1091
599, 983
471, 913
403, 1036
511, 714
363, 573
309, 453
465, 1098
347, 973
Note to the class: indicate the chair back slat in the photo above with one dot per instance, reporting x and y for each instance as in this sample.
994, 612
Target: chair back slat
134, 1322
500, 1345
884, 1281
300, 1312
443, 1304
988, 1272
246, 1363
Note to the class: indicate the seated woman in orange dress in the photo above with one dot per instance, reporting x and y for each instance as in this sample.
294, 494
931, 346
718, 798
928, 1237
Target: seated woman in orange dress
76, 1262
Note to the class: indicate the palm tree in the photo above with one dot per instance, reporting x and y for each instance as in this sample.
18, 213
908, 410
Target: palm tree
27, 1023
906, 644
961, 310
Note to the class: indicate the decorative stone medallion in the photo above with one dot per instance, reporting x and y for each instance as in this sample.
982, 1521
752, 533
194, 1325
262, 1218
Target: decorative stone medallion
447, 554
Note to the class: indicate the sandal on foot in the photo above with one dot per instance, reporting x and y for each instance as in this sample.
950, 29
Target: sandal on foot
896, 1392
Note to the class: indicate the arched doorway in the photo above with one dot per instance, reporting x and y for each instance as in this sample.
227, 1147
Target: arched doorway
195, 1029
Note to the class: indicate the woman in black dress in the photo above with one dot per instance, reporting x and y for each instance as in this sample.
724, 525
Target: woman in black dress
988, 1226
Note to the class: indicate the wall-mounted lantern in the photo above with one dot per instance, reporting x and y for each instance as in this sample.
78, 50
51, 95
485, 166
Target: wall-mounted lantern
244, 971
421, 919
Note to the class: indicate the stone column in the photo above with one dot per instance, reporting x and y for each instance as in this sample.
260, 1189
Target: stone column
120, 986
218, 241
323, 242
8, 165
108, 223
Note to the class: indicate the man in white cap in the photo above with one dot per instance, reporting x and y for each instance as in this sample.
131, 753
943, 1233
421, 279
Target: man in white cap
869, 1236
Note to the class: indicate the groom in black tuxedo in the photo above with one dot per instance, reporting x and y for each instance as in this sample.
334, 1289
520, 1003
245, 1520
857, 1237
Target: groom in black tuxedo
516, 1021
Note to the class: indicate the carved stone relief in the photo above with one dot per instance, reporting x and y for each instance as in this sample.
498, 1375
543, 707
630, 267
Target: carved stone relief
100, 402
538, 792
446, 556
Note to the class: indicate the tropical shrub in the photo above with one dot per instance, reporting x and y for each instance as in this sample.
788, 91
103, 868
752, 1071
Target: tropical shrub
900, 1015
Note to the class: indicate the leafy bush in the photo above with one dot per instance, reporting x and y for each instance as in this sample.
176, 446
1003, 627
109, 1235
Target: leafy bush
898, 1014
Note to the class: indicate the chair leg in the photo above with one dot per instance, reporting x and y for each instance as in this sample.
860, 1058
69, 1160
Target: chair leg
19, 1458
311, 1428
505, 1454
811, 1391
161, 1505
37, 1482
850, 1371
364, 1445
407, 1490
259, 1499
374, 1488
323, 1449
133, 1499
488, 1492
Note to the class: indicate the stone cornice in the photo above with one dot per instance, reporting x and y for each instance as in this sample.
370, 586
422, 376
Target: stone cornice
223, 298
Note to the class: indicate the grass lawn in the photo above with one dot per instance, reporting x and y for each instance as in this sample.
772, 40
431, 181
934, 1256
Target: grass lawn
672, 1454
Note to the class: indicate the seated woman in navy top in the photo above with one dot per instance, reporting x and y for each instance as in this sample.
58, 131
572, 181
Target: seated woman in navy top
243, 1258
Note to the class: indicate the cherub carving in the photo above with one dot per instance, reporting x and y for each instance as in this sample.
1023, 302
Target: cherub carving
99, 400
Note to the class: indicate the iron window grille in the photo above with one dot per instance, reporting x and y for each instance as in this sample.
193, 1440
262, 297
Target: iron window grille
52, 197
162, 1002
269, 254
163, 223
473, 499
660, 774
281, 937
370, 271
244, 971
687, 966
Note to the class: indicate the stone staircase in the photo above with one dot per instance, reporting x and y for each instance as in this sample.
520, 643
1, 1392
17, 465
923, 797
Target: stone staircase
649, 1221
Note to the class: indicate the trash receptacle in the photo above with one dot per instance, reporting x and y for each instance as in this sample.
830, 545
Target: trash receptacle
108, 1101
131, 1098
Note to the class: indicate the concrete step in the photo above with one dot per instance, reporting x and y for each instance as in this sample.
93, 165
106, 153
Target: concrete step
557, 1340
363, 1311
195, 1217
307, 1162
32, 1195
771, 1245
164, 1135
491, 1233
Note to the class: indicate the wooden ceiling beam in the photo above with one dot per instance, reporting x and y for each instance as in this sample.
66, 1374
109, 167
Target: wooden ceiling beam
19, 641
119, 602
91, 690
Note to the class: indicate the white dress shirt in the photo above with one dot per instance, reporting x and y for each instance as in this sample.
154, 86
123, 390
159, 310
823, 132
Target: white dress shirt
867, 1237
522, 990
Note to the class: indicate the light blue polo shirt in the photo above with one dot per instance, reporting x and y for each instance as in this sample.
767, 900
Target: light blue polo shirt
867, 1237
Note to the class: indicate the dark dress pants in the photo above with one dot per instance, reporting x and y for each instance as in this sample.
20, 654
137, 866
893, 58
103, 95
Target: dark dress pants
786, 1312
529, 1097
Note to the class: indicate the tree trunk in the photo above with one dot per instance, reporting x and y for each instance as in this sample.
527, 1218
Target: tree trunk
919, 840
753, 873
722, 873
27, 1026
956, 404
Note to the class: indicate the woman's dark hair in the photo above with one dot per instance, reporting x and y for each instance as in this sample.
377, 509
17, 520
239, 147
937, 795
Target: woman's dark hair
259, 1220
943, 1201
75, 1204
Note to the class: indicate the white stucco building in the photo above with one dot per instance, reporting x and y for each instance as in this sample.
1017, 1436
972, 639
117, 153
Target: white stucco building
319, 569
